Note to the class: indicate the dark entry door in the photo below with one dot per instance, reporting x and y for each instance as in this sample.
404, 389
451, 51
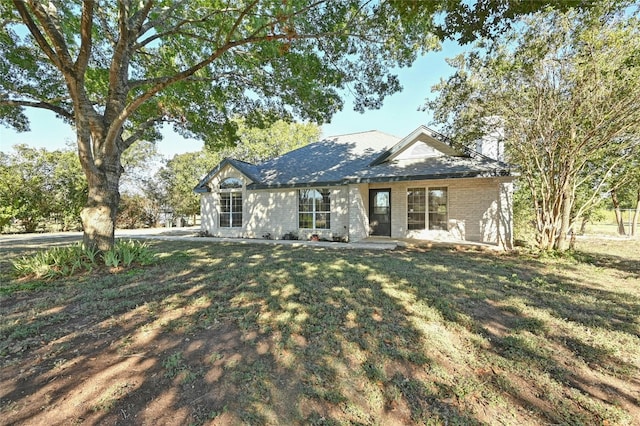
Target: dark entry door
380, 212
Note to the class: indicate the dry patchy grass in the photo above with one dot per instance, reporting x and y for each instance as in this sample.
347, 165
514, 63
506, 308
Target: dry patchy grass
253, 334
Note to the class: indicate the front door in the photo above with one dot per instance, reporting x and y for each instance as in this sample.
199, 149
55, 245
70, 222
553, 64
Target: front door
380, 212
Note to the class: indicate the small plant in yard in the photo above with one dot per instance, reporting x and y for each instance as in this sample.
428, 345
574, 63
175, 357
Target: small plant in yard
56, 262
66, 261
173, 365
131, 251
111, 258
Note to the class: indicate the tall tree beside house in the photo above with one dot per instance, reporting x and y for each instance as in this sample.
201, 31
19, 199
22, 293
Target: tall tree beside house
174, 183
565, 88
118, 69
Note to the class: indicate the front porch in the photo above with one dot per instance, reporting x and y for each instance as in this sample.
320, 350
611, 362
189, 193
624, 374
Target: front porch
428, 244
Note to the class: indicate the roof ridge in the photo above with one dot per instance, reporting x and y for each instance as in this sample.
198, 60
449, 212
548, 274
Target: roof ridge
239, 161
358, 133
324, 139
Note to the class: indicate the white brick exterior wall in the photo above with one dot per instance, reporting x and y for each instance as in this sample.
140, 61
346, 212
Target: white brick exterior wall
271, 212
479, 210
358, 212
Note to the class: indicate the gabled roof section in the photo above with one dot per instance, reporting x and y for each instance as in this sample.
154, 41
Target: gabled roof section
326, 162
436, 167
247, 169
419, 144
371, 156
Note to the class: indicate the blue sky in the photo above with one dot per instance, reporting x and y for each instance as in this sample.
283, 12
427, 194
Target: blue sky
399, 115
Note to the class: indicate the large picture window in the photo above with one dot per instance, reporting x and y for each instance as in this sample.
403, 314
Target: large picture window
416, 208
423, 204
231, 203
438, 214
314, 209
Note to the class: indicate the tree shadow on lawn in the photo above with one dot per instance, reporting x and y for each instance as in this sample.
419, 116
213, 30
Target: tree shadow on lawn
272, 335
567, 330
610, 261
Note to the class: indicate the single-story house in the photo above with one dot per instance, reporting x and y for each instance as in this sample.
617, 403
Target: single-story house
354, 186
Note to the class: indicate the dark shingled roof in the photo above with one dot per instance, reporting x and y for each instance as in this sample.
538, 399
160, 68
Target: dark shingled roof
359, 157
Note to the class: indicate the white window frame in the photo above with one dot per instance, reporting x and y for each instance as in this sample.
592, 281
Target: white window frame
314, 212
428, 225
232, 192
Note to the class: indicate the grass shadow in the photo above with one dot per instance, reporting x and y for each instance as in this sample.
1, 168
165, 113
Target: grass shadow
268, 335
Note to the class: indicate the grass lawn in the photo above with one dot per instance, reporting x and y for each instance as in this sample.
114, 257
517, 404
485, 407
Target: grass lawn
231, 334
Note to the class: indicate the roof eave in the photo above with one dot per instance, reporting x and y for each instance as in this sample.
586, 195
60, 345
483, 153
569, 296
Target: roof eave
407, 140
294, 185
456, 175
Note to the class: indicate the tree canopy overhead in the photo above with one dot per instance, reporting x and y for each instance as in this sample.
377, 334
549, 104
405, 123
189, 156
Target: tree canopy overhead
118, 69
196, 64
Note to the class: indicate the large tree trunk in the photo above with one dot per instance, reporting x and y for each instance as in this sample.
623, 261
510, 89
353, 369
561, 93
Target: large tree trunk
546, 230
100, 212
619, 218
99, 217
562, 241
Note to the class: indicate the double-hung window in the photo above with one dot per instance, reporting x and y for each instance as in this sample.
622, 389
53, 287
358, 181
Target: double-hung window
438, 211
427, 208
231, 203
416, 208
314, 209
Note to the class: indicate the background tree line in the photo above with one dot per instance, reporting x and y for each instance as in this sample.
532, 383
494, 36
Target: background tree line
39, 186
46, 190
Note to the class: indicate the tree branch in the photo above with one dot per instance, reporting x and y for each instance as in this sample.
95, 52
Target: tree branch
105, 25
238, 21
42, 105
126, 143
174, 30
138, 18
36, 33
165, 82
163, 17
57, 38
85, 37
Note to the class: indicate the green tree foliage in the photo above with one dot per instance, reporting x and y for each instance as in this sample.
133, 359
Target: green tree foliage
69, 188
9, 182
120, 69
565, 91
174, 183
38, 186
259, 144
